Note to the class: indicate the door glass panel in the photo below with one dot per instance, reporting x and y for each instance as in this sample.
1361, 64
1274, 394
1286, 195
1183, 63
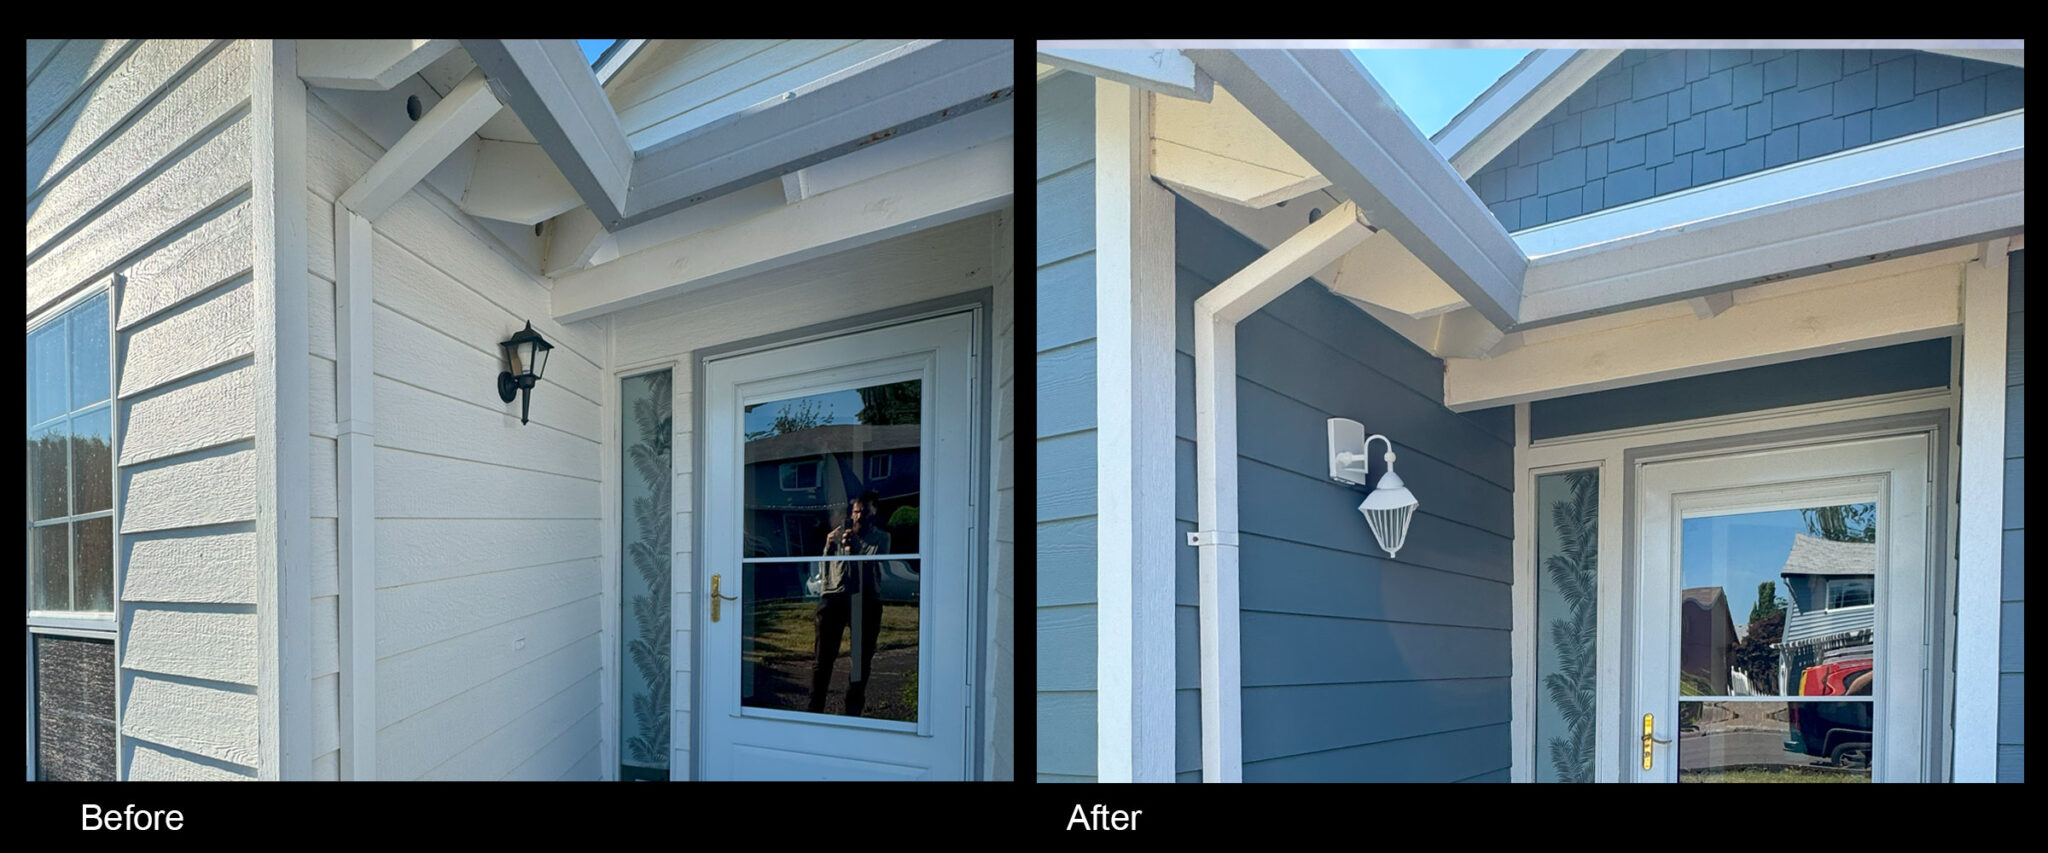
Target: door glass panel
806, 457
831, 637
1567, 583
648, 481
1778, 604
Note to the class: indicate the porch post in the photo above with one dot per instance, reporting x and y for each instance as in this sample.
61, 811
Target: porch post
1981, 512
1134, 403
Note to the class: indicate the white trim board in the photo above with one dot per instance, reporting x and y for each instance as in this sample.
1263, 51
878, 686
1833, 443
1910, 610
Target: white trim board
1501, 114
1980, 538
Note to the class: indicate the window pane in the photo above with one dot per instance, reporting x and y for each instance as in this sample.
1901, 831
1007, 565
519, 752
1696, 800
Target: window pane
1567, 607
49, 472
833, 637
808, 457
52, 561
89, 352
1849, 593
74, 709
648, 481
94, 546
48, 364
1756, 612
1774, 741
92, 461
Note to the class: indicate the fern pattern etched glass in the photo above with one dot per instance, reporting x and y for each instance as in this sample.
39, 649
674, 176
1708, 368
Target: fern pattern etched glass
648, 482
1567, 613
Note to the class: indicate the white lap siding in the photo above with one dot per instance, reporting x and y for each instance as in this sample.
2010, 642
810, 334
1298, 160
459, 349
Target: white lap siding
942, 261
487, 531
139, 165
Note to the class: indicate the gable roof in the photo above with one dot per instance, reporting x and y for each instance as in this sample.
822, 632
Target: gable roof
1812, 555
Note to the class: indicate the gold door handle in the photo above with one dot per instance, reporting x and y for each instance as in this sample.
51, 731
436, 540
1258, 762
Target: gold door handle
1649, 739
716, 598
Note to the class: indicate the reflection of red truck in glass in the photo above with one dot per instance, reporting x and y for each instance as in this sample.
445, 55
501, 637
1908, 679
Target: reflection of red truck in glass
1838, 731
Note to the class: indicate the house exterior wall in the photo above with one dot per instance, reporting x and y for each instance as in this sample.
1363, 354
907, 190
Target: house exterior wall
487, 531
1065, 515
2012, 683
1884, 370
1655, 122
942, 261
1355, 667
141, 168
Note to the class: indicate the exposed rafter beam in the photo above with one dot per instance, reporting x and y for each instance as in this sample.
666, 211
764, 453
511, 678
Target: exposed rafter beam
915, 86
1167, 72
437, 134
954, 187
550, 85
1328, 109
368, 64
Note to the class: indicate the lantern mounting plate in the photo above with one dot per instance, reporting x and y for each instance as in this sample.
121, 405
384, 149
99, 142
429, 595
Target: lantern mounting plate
508, 386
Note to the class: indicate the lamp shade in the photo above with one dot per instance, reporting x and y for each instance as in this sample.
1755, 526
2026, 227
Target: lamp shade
1389, 509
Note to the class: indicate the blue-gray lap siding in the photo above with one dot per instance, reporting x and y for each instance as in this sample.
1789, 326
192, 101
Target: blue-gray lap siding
1655, 122
1355, 667
1065, 512
2012, 685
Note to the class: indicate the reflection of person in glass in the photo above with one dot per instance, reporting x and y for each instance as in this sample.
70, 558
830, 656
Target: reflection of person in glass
851, 596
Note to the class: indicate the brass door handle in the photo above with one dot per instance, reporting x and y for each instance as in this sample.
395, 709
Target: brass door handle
716, 598
1649, 740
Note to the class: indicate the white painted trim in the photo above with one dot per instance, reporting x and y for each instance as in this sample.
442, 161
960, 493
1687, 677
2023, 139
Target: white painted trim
550, 85
367, 64
1167, 72
1134, 311
954, 187
437, 134
1216, 316
1910, 306
2015, 57
616, 63
1515, 103
1980, 526
1330, 111
1522, 758
284, 602
906, 89
355, 476
1792, 182
1607, 452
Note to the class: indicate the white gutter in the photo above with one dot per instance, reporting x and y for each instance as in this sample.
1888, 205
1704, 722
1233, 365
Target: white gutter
1217, 314
444, 128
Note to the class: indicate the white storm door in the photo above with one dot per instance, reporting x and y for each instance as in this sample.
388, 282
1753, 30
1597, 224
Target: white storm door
1781, 616
853, 666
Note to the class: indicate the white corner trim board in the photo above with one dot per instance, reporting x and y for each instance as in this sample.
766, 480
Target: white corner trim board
1217, 314
1981, 513
1134, 305
356, 492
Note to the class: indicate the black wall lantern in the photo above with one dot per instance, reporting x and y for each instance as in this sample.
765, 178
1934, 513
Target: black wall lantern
527, 354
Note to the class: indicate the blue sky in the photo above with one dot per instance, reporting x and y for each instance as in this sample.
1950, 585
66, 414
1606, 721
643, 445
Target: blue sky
842, 406
593, 47
1432, 85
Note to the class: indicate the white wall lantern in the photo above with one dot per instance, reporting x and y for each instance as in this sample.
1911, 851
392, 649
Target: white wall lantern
1390, 506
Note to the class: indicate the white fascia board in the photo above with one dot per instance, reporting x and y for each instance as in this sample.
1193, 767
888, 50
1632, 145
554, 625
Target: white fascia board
616, 62
2015, 57
954, 187
549, 84
906, 89
1167, 72
1507, 110
366, 64
1863, 207
1326, 107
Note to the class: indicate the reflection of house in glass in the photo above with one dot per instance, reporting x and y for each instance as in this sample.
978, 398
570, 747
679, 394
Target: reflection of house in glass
1830, 589
1708, 638
798, 484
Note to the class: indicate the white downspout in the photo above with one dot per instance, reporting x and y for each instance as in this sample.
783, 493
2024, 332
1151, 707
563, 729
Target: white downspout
438, 133
1217, 314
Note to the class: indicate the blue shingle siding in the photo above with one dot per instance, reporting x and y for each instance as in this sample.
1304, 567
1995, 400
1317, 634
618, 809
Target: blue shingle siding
1065, 432
2012, 685
1676, 111
1355, 667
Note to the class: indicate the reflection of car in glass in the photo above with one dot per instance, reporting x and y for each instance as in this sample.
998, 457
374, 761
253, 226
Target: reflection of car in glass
1837, 731
899, 581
